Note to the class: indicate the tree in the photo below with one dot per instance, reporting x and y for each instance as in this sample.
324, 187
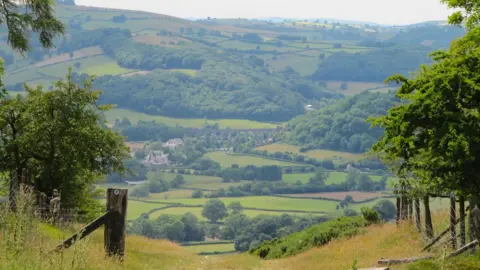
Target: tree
350, 212
214, 210
61, 136
319, 177
370, 215
235, 207
233, 225
386, 209
34, 16
213, 230
140, 191
178, 181
194, 231
344, 86
157, 186
197, 194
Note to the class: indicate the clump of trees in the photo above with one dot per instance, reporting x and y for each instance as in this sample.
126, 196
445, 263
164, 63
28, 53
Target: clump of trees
174, 228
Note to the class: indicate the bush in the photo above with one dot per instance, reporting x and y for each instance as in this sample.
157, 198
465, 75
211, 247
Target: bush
140, 191
157, 186
370, 215
386, 209
350, 213
197, 194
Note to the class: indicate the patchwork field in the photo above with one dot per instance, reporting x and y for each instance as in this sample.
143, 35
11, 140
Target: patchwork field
134, 117
226, 160
334, 177
318, 154
196, 181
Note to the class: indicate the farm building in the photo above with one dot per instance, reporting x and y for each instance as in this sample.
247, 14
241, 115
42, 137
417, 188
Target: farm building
157, 157
173, 143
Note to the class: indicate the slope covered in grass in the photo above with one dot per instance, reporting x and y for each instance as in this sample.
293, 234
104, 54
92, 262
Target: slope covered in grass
314, 236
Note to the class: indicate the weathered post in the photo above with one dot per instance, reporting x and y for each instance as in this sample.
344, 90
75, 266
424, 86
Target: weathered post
463, 237
116, 222
428, 217
417, 215
453, 219
404, 207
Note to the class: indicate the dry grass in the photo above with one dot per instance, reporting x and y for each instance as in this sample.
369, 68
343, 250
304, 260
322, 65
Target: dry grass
378, 242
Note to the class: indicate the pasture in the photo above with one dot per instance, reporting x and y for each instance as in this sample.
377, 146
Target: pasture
353, 87
334, 177
210, 248
318, 154
226, 160
304, 65
134, 117
196, 181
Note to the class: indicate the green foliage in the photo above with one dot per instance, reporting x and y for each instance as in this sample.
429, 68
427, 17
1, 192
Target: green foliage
371, 66
314, 236
432, 132
140, 191
370, 215
151, 131
157, 186
386, 209
319, 177
197, 194
136, 171
214, 210
469, 12
235, 207
341, 126
174, 228
178, 181
349, 212
57, 134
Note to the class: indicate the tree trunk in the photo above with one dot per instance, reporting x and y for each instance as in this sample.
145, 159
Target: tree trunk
463, 239
453, 219
417, 215
399, 206
410, 211
404, 207
428, 218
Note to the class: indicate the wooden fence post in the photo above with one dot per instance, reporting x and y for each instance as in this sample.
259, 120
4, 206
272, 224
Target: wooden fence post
115, 224
418, 222
410, 211
463, 239
453, 218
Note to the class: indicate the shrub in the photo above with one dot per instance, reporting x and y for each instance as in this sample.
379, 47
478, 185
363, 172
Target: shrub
370, 215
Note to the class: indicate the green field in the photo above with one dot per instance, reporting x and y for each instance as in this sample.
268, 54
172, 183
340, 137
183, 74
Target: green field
211, 248
134, 117
302, 64
136, 208
333, 178
269, 203
354, 87
98, 65
318, 154
197, 211
226, 160
196, 181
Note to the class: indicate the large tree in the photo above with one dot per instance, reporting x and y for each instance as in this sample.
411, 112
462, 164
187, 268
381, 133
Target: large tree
61, 138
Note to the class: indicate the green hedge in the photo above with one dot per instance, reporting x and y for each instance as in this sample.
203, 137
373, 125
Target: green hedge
314, 236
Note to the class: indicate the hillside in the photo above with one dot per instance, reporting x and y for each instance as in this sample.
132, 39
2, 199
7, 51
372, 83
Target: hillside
226, 68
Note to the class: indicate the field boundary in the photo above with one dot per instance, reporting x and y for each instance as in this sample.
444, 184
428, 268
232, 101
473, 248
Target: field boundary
276, 159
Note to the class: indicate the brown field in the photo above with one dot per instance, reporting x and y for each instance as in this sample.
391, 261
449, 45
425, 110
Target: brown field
356, 195
163, 41
82, 53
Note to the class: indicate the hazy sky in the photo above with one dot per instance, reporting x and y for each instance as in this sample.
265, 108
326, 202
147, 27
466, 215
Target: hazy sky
379, 11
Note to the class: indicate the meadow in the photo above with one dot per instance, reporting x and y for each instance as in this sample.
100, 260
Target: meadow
211, 248
196, 181
334, 177
353, 87
134, 117
318, 154
226, 160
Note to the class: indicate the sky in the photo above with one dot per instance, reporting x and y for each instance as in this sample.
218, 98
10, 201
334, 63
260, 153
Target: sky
391, 12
